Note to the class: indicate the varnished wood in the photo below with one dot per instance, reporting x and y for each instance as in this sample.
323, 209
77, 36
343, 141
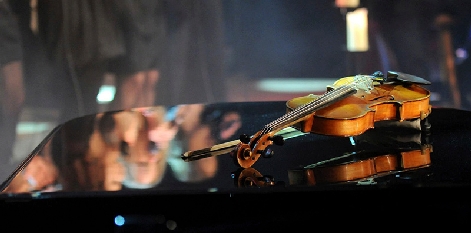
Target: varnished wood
357, 113
247, 153
370, 167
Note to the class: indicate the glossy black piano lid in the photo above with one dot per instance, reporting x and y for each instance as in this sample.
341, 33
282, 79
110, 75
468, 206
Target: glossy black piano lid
135, 155
142, 148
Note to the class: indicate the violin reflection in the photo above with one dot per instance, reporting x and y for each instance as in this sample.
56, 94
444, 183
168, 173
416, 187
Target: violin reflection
133, 149
250, 177
396, 149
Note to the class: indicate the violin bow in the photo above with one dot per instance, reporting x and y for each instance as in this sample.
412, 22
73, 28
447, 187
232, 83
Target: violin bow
276, 127
227, 147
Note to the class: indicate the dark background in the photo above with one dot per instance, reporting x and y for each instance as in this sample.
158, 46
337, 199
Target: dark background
289, 39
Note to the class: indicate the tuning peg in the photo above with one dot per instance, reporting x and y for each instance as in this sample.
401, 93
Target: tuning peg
379, 77
378, 74
267, 153
278, 140
244, 138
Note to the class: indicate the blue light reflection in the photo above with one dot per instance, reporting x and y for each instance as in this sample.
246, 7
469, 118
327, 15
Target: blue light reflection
119, 220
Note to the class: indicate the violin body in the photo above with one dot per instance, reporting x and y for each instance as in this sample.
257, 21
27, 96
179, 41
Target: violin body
357, 113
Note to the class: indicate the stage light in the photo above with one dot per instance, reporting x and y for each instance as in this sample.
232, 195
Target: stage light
357, 30
347, 3
294, 85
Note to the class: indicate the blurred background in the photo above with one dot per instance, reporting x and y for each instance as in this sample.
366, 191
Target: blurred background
84, 57
232, 50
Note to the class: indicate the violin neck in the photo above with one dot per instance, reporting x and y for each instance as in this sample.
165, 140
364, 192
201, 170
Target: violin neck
303, 111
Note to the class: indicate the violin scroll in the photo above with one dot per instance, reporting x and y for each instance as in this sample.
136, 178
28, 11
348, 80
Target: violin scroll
249, 177
349, 107
249, 150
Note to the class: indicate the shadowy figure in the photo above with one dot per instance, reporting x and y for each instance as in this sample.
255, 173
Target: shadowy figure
12, 93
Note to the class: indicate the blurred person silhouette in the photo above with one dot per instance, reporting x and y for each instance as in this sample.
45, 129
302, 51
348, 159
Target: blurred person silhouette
87, 152
54, 167
145, 137
80, 38
137, 149
171, 131
111, 149
195, 59
12, 93
409, 38
87, 40
87, 159
138, 71
402, 34
69, 146
460, 29
39, 174
145, 155
120, 142
200, 126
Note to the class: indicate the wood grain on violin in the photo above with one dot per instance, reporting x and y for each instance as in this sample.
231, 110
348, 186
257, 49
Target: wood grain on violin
251, 148
349, 107
357, 113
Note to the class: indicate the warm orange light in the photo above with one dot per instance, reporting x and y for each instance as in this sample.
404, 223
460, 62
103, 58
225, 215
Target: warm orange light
347, 3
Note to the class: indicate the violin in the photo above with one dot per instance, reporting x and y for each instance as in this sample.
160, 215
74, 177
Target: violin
349, 107
357, 113
338, 171
249, 150
228, 147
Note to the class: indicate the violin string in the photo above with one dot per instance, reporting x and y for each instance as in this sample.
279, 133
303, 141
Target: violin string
297, 112
364, 82
310, 107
